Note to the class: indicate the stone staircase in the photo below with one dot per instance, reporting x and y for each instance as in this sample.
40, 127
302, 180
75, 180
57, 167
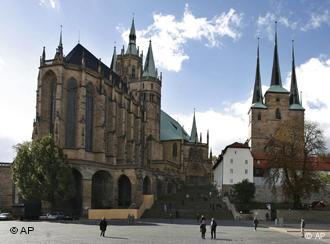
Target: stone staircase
190, 202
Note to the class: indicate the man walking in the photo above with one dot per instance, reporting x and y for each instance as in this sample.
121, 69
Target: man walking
213, 229
203, 226
103, 226
302, 227
255, 223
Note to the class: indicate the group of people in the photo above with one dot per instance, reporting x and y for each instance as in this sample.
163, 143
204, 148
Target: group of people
213, 225
130, 219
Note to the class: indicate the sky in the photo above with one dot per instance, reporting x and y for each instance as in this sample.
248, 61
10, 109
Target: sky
206, 51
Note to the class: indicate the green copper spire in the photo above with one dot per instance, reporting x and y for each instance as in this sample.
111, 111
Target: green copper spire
149, 66
276, 74
114, 61
257, 92
194, 135
295, 102
131, 49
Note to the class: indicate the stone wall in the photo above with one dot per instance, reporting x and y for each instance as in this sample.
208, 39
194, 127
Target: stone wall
6, 187
308, 215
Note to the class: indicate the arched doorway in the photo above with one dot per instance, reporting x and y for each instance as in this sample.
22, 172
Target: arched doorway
124, 191
146, 185
101, 190
76, 201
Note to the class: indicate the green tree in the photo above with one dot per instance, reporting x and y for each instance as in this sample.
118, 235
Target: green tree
291, 155
41, 171
243, 192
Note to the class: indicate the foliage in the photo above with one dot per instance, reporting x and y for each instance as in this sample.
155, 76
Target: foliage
291, 151
41, 171
243, 192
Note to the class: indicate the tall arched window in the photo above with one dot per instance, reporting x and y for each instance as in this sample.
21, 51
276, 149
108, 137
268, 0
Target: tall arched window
259, 116
175, 150
89, 110
52, 110
71, 114
133, 71
278, 114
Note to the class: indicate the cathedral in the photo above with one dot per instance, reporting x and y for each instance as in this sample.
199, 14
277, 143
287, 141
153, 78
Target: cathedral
109, 122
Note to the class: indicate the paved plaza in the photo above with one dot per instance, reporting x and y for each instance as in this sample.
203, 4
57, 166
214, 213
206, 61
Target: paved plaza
148, 231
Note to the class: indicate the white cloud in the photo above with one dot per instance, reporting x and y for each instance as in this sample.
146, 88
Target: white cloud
230, 123
169, 35
2, 64
266, 24
316, 20
54, 4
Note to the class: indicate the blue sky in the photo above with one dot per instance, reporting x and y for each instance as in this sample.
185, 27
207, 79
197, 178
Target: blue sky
205, 49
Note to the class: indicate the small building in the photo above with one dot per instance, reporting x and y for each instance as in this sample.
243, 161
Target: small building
7, 189
234, 164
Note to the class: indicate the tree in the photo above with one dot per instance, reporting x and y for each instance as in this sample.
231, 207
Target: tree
41, 171
291, 152
243, 192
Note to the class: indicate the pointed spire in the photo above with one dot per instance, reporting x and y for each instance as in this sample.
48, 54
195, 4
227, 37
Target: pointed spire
200, 137
132, 35
131, 49
294, 94
149, 66
276, 74
257, 92
211, 155
43, 56
113, 65
60, 44
194, 135
207, 137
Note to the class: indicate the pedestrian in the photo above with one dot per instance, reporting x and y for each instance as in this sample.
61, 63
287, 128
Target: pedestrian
165, 207
132, 219
213, 229
203, 227
302, 227
255, 223
103, 226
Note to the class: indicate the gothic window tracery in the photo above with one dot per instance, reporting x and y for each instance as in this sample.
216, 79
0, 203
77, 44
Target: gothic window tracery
89, 117
71, 114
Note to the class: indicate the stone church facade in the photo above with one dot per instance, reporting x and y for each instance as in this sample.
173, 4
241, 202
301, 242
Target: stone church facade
267, 114
108, 120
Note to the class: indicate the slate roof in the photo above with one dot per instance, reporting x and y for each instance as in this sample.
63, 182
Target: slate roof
91, 62
170, 129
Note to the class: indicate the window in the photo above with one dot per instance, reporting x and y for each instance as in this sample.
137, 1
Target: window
231, 181
152, 86
246, 161
278, 113
277, 99
231, 160
89, 110
142, 85
71, 112
259, 116
174, 150
52, 106
231, 171
133, 71
246, 171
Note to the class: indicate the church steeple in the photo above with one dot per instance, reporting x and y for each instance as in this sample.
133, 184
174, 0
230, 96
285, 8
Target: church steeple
257, 92
295, 102
149, 66
194, 135
276, 74
60, 44
114, 61
131, 49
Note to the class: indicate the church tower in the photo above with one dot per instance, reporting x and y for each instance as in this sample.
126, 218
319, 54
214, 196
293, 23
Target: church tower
278, 106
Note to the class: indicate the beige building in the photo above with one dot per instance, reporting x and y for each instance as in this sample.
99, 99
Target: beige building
108, 120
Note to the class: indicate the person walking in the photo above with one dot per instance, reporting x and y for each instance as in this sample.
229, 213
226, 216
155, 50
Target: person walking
213, 229
255, 223
103, 226
203, 227
302, 227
